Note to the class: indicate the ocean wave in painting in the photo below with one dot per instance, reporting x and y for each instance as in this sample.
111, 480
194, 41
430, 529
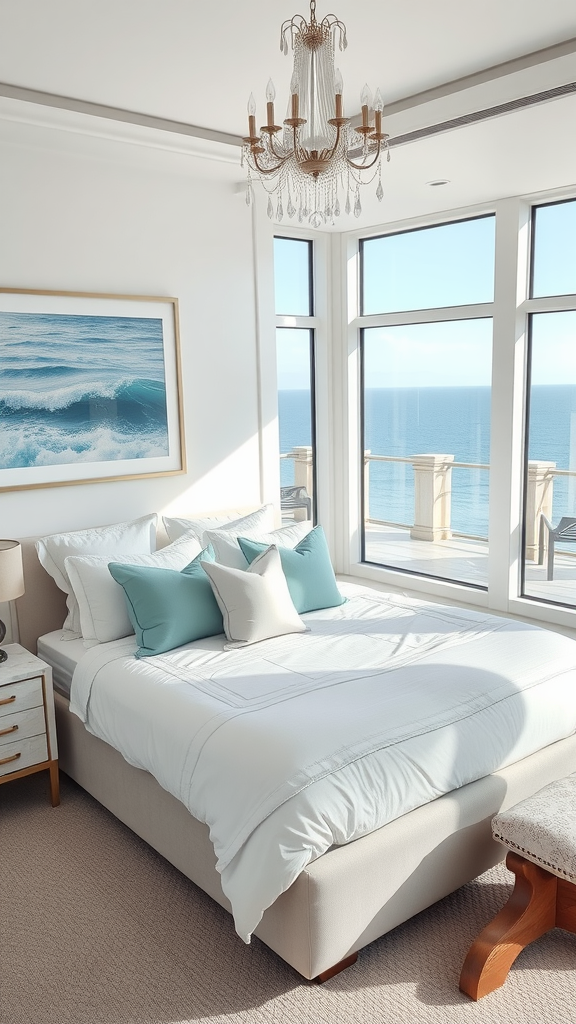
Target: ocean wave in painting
136, 398
99, 444
69, 394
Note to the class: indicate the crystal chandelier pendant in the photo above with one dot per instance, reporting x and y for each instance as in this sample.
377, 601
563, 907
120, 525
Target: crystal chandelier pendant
316, 153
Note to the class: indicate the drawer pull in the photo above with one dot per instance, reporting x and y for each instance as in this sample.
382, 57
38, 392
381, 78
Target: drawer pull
4, 732
6, 760
8, 700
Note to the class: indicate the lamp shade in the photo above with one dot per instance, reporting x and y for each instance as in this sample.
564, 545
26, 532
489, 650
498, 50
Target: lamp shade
11, 570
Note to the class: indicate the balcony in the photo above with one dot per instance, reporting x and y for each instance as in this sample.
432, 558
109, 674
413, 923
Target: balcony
430, 545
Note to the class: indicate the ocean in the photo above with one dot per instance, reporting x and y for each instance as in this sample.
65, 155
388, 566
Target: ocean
446, 420
80, 389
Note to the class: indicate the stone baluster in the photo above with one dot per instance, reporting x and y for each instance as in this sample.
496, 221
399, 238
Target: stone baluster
432, 497
539, 496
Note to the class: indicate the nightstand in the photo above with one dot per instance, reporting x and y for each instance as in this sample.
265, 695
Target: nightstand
27, 722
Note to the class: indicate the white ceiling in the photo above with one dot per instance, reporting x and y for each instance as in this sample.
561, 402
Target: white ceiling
197, 63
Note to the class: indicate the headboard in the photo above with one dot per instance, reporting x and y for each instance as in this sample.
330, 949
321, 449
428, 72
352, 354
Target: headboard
43, 606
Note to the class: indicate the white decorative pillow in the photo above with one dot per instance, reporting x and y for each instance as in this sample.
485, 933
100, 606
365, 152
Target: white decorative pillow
136, 537
255, 603
101, 600
227, 551
262, 519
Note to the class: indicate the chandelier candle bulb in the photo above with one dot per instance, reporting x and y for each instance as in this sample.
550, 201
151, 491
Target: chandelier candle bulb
339, 87
252, 116
270, 97
365, 100
378, 105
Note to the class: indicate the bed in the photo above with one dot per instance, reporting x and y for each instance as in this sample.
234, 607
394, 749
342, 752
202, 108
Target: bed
356, 891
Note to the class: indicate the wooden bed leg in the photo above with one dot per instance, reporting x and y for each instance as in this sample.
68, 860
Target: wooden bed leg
528, 914
337, 968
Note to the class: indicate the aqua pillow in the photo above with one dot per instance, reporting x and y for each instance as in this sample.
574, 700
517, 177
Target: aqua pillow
168, 608
307, 568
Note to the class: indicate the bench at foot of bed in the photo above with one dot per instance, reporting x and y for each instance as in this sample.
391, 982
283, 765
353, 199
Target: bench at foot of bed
540, 833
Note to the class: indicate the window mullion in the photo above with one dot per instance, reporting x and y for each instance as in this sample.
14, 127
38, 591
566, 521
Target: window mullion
508, 396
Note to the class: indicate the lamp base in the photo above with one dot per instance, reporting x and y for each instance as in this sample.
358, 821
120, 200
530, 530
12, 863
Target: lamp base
3, 655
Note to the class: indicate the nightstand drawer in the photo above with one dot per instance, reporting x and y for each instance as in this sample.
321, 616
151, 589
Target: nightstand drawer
27, 693
21, 725
23, 753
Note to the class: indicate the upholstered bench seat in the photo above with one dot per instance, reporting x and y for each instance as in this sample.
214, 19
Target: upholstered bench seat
543, 828
540, 834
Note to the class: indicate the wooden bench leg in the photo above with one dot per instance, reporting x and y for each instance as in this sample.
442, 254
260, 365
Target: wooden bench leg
529, 913
566, 905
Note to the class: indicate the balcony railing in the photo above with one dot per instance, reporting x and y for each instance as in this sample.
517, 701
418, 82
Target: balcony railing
433, 493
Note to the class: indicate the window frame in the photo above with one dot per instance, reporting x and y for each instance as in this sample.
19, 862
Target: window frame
534, 305
320, 366
409, 317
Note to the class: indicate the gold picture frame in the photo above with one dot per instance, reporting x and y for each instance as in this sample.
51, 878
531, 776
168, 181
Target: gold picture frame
90, 388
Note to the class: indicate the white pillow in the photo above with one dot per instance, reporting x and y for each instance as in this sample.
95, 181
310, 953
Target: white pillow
227, 551
101, 600
255, 603
135, 537
262, 519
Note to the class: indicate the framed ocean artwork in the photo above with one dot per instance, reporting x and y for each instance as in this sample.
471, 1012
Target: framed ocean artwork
90, 388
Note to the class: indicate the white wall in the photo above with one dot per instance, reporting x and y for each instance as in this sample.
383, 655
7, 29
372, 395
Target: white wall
86, 213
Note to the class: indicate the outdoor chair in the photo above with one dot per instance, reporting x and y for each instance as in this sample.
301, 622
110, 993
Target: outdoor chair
295, 497
565, 531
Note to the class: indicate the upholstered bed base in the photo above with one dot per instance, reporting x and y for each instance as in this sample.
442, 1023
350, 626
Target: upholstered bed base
345, 899
354, 893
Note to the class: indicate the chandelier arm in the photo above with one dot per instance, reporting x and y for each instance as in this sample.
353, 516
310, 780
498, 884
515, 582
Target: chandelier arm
290, 27
281, 156
269, 170
365, 167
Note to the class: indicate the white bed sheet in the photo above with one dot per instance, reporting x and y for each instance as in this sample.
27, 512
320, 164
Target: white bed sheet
301, 742
63, 655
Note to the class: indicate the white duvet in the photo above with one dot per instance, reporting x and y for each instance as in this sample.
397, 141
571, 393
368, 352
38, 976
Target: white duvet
297, 743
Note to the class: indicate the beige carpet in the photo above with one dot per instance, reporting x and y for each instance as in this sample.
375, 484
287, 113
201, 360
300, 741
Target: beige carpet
95, 928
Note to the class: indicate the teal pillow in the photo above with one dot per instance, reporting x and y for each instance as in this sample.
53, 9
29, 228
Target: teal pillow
168, 608
308, 570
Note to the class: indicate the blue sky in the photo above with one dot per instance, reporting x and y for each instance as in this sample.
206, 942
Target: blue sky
429, 268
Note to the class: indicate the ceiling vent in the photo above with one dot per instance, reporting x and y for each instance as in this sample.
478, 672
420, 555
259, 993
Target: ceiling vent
484, 115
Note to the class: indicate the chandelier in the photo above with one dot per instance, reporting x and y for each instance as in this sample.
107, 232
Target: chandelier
316, 160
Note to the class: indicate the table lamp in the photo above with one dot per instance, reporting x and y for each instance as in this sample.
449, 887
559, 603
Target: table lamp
11, 579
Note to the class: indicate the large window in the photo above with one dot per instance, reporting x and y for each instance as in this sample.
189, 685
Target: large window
426, 399
293, 278
550, 470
